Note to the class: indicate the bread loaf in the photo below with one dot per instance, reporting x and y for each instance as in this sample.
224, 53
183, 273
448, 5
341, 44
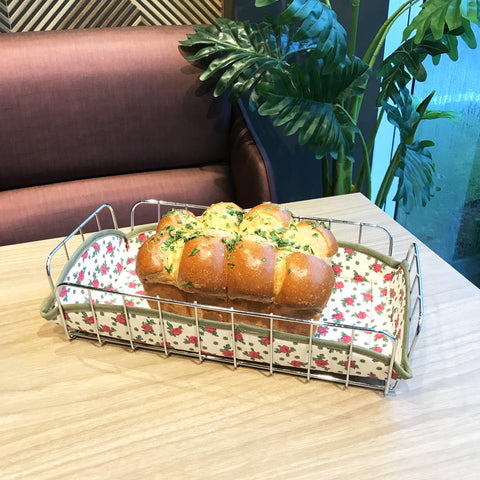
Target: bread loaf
262, 260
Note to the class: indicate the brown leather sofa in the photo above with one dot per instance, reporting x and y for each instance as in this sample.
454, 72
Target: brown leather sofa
114, 116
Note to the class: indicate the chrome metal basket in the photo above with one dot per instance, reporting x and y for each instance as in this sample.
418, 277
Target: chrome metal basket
365, 337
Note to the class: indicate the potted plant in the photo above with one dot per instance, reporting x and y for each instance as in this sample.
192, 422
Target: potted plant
301, 69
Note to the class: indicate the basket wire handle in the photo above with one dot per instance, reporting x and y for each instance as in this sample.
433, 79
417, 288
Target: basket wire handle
77, 230
413, 261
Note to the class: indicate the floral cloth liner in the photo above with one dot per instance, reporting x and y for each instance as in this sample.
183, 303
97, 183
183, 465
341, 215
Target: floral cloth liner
371, 290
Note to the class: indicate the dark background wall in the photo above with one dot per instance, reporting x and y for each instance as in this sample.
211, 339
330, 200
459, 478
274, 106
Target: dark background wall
298, 174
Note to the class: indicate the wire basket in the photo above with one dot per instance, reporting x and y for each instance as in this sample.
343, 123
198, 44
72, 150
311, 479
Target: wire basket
365, 337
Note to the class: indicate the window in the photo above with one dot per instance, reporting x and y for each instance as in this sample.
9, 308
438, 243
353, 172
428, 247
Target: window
450, 223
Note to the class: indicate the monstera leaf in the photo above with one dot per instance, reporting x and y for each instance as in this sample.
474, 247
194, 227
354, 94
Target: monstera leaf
412, 161
311, 102
438, 14
317, 21
242, 52
417, 176
450, 39
402, 114
407, 62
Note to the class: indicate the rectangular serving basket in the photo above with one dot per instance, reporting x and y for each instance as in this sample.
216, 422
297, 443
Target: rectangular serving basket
365, 336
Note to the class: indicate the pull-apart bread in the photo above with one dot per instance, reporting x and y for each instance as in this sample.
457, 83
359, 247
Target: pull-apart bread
261, 260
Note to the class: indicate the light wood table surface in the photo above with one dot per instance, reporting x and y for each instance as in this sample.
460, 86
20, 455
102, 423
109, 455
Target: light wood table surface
77, 410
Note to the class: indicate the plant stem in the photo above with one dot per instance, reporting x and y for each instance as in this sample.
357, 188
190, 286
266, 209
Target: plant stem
370, 57
371, 142
387, 180
355, 107
364, 172
339, 175
347, 176
377, 43
326, 181
352, 43
343, 179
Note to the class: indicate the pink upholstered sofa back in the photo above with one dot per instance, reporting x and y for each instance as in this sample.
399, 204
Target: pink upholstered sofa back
111, 103
114, 116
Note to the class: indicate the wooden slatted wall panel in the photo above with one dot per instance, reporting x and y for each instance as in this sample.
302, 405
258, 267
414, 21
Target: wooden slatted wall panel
4, 21
30, 15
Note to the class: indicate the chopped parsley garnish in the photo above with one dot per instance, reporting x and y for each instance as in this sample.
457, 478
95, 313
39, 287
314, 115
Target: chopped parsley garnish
261, 233
274, 236
230, 244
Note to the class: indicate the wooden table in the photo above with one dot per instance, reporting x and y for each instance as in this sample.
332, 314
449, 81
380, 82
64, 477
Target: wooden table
74, 409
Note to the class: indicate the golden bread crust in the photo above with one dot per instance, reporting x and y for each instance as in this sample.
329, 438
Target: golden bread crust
261, 261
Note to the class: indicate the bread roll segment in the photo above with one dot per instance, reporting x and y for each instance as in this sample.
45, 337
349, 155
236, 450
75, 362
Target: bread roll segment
262, 260
225, 216
310, 237
202, 265
307, 283
250, 272
155, 261
178, 219
265, 219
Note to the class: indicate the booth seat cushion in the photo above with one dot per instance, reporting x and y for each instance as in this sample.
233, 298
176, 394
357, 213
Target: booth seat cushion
66, 204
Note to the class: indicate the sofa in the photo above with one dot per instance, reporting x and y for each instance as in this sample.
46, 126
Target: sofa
115, 116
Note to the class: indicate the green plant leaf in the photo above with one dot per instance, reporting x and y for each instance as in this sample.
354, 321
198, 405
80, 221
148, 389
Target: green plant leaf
264, 3
310, 101
434, 15
412, 162
468, 36
320, 22
471, 10
241, 53
407, 62
417, 176
450, 40
427, 114
438, 15
451, 43
402, 115
318, 94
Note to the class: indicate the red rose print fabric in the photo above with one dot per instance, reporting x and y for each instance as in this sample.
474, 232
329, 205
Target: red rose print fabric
362, 326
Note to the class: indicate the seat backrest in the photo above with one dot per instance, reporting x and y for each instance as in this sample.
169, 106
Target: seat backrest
95, 102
